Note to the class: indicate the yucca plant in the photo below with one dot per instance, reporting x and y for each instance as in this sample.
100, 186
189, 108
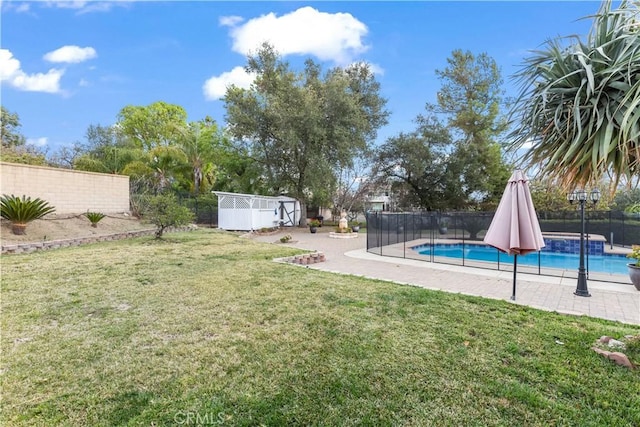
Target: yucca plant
21, 211
94, 218
579, 103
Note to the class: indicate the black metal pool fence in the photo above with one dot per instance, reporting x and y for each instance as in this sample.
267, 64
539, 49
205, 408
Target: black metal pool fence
394, 234
204, 208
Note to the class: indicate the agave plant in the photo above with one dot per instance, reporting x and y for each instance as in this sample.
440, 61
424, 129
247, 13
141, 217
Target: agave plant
21, 211
579, 103
94, 218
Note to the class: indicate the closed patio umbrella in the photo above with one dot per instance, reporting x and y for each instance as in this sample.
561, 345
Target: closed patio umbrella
514, 228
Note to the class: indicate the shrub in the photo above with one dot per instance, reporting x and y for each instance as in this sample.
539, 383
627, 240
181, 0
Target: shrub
635, 255
94, 218
139, 204
633, 209
21, 211
314, 223
164, 211
343, 230
285, 239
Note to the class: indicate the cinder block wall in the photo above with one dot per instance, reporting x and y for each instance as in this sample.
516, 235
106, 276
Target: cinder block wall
69, 191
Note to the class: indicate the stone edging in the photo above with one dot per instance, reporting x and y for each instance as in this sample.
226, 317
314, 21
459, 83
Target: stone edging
64, 243
304, 259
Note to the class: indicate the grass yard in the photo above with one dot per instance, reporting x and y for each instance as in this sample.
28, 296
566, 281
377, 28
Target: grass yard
204, 329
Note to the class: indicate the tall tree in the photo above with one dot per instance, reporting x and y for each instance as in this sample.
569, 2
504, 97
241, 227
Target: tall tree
9, 129
107, 150
470, 99
199, 142
415, 165
154, 125
236, 171
579, 104
453, 160
302, 126
14, 146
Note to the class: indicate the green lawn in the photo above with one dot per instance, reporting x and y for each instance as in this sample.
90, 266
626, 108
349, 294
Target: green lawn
204, 329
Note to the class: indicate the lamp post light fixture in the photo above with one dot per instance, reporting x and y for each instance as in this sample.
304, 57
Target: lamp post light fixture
580, 196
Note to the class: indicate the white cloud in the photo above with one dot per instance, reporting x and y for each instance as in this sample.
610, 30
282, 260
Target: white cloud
230, 21
328, 36
39, 82
71, 54
11, 72
83, 83
9, 66
21, 8
67, 4
38, 142
7, 6
216, 86
86, 6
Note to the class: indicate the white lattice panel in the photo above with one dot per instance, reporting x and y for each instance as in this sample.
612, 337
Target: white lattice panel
226, 202
242, 203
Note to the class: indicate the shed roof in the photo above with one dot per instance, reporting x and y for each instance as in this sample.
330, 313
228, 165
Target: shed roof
253, 196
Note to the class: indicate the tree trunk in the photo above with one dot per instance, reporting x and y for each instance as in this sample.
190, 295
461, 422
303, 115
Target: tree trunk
197, 178
303, 213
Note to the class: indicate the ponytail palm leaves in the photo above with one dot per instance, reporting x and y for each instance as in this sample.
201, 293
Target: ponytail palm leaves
579, 106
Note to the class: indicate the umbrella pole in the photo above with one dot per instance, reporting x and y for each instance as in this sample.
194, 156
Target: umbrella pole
515, 266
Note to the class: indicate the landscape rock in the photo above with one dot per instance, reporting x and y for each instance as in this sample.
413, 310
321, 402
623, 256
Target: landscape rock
621, 359
617, 357
615, 344
604, 339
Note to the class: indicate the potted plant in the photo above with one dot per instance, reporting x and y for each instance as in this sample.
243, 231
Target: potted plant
634, 266
21, 211
355, 227
313, 225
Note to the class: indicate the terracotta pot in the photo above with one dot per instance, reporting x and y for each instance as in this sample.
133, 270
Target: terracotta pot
18, 228
634, 275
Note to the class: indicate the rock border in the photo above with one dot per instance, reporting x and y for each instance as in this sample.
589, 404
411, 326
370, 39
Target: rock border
65, 243
304, 259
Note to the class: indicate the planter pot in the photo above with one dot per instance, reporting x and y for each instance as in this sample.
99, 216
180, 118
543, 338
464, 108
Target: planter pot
634, 275
18, 229
313, 229
355, 228
443, 230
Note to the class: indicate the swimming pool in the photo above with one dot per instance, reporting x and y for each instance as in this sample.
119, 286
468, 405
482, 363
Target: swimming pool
608, 263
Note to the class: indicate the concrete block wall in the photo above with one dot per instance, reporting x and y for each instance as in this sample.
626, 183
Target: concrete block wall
71, 192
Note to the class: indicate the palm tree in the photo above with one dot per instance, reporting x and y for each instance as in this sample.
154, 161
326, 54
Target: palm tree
197, 143
579, 105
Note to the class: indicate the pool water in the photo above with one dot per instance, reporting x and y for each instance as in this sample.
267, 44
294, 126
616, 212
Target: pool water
608, 263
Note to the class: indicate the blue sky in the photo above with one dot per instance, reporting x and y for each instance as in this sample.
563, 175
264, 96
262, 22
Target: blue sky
66, 65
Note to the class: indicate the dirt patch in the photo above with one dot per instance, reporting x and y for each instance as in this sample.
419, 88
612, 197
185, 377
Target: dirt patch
55, 227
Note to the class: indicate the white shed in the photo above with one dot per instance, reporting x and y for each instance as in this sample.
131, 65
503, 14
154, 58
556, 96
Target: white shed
252, 212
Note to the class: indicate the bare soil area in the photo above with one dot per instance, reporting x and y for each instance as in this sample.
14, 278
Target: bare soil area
55, 227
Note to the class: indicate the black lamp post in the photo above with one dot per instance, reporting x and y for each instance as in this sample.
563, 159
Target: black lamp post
580, 196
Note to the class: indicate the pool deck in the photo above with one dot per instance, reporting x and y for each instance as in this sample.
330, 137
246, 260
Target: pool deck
612, 301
